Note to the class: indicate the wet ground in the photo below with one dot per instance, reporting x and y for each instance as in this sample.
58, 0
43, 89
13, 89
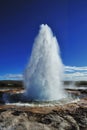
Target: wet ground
66, 114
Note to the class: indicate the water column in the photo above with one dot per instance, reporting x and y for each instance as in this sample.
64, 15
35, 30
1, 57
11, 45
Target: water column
44, 72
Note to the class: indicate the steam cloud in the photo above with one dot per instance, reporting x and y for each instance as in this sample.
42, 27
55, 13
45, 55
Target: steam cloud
44, 72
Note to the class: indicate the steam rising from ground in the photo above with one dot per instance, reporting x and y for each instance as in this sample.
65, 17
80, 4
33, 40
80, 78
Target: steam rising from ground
44, 72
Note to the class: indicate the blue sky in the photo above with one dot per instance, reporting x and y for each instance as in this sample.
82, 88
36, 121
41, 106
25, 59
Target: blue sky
19, 25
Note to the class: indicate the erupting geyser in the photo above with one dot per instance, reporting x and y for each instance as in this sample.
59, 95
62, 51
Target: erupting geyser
44, 72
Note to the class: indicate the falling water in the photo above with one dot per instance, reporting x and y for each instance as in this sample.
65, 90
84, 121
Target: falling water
44, 72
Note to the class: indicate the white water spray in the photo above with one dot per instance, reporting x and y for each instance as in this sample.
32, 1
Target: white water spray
44, 72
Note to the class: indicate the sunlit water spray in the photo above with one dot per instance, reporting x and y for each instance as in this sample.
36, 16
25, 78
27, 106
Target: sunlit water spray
44, 73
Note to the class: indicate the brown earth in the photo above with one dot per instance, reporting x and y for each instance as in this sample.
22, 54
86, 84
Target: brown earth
72, 116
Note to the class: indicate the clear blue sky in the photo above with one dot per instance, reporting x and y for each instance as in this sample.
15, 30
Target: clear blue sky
19, 24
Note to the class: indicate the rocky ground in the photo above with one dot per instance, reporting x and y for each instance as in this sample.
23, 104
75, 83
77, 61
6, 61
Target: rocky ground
72, 116
69, 116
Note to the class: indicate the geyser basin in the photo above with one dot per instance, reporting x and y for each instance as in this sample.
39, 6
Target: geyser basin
43, 104
44, 72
